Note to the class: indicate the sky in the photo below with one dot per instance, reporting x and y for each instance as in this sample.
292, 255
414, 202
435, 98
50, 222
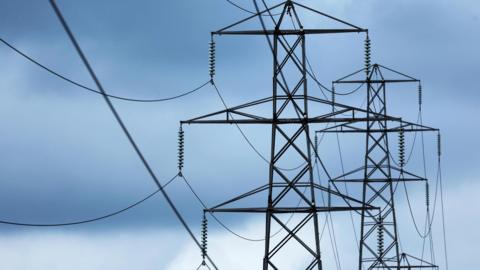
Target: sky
64, 158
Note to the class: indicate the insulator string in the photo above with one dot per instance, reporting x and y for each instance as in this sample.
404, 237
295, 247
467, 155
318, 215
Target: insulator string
212, 59
333, 98
420, 96
368, 55
380, 236
439, 145
401, 149
204, 238
181, 149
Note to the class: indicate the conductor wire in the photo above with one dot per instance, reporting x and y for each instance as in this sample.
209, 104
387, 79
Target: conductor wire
6, 222
124, 128
51, 71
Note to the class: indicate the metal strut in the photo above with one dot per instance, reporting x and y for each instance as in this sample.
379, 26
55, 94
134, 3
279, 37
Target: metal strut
378, 179
290, 121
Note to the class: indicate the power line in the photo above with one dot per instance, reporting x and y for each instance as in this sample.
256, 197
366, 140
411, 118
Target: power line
203, 204
245, 137
71, 81
346, 188
6, 222
445, 250
246, 10
124, 128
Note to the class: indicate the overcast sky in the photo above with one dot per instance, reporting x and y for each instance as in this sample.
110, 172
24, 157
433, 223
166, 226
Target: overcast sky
64, 158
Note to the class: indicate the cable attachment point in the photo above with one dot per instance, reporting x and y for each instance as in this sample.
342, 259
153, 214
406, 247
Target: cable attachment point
181, 149
401, 149
367, 55
212, 58
380, 236
420, 96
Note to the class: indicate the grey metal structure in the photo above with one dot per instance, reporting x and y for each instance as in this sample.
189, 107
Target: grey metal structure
296, 192
290, 120
379, 246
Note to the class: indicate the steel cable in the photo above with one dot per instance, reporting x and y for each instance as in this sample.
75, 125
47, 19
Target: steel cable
245, 137
51, 71
246, 10
203, 204
6, 222
124, 128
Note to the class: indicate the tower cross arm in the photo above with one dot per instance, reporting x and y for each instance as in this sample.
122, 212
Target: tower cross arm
285, 32
400, 126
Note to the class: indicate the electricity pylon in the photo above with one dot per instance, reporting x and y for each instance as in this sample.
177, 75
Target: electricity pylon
289, 192
379, 245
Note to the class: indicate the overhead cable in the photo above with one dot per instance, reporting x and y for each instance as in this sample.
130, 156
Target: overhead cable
124, 128
6, 222
249, 142
84, 87
246, 10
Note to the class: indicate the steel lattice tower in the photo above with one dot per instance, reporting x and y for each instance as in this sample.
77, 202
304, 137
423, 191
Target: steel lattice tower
291, 117
290, 122
378, 184
379, 246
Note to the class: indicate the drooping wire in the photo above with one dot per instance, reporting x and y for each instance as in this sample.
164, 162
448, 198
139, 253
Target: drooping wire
84, 87
123, 127
328, 219
346, 189
445, 249
429, 220
246, 10
245, 137
311, 73
224, 226
23, 224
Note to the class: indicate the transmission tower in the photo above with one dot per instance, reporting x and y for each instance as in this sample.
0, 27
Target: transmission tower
379, 245
288, 192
